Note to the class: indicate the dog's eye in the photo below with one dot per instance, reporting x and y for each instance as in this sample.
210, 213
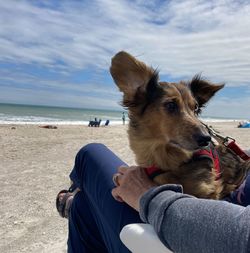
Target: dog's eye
171, 106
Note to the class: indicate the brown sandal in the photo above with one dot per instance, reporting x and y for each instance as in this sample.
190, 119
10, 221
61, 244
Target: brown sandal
63, 203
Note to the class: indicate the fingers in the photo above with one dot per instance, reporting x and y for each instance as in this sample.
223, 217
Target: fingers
117, 178
123, 172
122, 169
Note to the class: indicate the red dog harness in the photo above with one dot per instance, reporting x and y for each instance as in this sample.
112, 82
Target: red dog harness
212, 154
153, 171
209, 153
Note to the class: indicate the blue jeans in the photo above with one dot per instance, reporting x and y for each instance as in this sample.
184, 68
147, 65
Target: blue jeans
96, 218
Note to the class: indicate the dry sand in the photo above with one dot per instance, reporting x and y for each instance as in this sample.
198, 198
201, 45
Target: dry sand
35, 163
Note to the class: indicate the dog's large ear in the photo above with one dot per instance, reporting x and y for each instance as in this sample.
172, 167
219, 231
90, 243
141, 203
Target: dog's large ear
203, 90
130, 74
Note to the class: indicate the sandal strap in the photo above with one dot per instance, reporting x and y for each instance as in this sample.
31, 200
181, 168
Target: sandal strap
68, 206
61, 204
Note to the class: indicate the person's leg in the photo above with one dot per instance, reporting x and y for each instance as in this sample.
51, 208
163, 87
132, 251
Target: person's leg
96, 219
84, 235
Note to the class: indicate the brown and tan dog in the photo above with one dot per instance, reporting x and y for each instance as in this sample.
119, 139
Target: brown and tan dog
164, 130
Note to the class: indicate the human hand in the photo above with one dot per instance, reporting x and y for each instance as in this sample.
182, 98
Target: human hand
131, 183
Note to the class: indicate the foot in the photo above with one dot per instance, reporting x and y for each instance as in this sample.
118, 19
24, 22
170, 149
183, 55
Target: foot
64, 200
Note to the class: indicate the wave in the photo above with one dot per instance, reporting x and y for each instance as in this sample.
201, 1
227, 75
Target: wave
31, 120
207, 119
114, 120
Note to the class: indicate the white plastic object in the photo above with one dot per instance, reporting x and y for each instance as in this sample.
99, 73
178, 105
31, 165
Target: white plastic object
141, 238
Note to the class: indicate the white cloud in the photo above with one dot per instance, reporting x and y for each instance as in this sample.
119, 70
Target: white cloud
191, 36
46, 97
59, 85
181, 38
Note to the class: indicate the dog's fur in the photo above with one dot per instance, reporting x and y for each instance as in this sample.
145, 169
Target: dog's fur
164, 129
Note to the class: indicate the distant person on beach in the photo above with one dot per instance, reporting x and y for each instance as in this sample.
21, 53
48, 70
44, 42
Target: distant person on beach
123, 118
95, 123
244, 124
101, 201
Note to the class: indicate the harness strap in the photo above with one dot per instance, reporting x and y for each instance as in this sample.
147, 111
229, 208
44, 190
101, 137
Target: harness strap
212, 154
153, 171
209, 153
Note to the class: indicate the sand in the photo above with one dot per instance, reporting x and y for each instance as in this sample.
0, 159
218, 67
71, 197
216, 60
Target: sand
35, 163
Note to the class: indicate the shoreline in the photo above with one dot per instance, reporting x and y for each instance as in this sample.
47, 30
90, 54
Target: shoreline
62, 123
111, 122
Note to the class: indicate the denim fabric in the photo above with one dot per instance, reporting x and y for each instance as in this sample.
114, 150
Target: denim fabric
96, 219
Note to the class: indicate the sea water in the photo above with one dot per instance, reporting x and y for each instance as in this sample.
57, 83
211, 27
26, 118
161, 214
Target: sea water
34, 114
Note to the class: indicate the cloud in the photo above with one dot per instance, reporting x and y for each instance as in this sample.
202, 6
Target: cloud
59, 85
28, 88
46, 97
180, 38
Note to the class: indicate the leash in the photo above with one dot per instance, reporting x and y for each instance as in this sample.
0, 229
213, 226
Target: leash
228, 142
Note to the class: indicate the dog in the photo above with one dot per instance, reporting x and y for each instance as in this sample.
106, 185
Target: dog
165, 132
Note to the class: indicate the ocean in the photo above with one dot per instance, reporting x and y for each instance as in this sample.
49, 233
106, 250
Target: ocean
33, 114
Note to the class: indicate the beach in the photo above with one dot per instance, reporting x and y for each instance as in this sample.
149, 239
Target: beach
35, 164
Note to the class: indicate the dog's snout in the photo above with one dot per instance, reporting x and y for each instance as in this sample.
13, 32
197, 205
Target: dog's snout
202, 139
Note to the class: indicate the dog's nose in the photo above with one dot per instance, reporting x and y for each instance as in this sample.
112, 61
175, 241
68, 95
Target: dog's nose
202, 139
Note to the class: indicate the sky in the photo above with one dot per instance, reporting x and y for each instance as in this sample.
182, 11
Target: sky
58, 52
